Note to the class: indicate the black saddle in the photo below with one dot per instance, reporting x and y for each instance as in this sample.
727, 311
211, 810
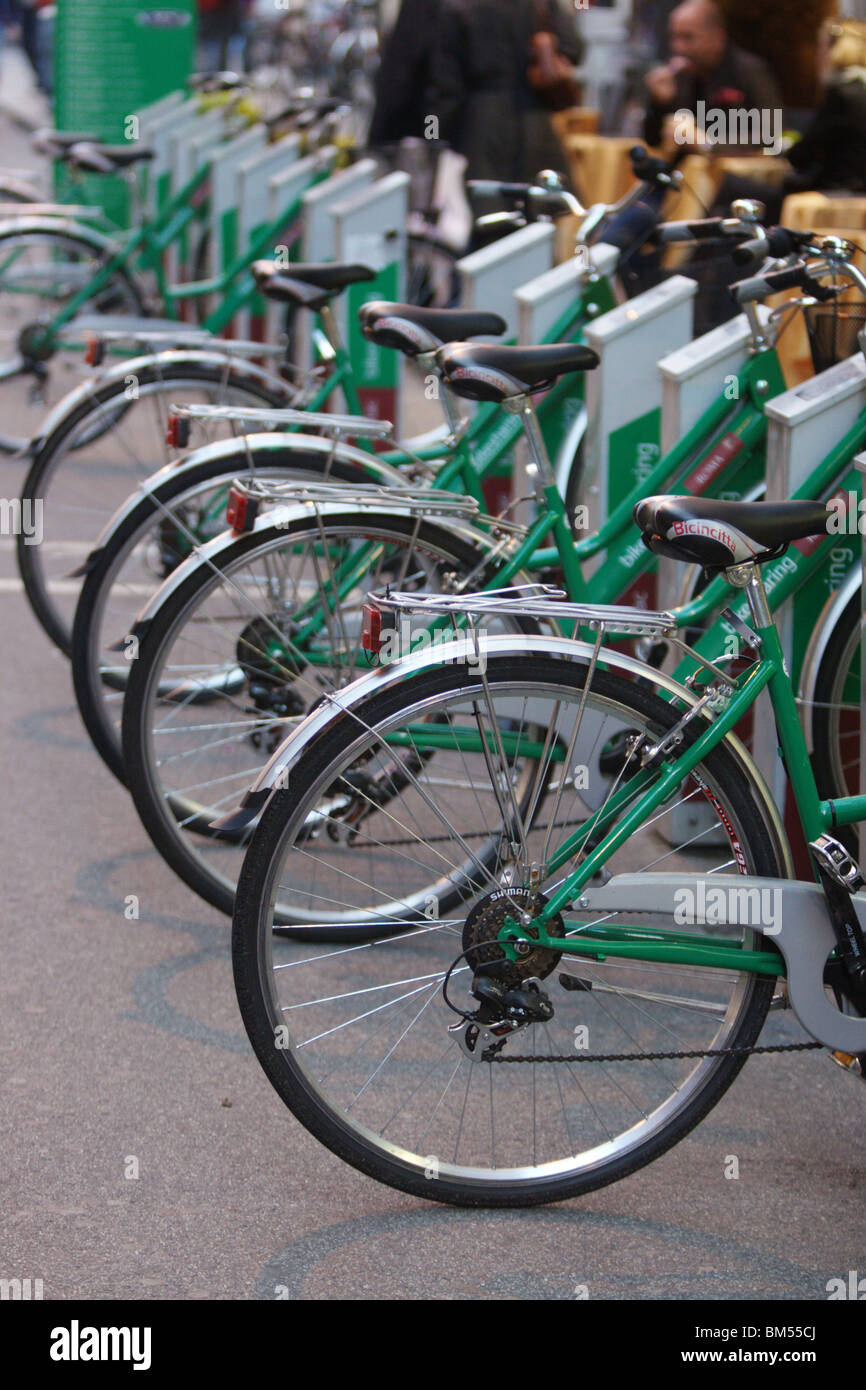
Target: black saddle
58, 141
413, 331
306, 284
104, 159
483, 372
717, 535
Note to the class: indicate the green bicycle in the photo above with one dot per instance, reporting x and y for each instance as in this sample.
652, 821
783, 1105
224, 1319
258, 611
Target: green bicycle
493, 824
264, 622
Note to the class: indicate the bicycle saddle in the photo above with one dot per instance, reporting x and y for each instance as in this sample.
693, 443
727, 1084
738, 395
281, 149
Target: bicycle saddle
412, 330
104, 159
718, 534
483, 372
307, 284
56, 142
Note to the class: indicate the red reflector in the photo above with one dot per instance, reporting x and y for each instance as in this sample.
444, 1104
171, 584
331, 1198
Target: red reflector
94, 353
177, 434
236, 510
371, 629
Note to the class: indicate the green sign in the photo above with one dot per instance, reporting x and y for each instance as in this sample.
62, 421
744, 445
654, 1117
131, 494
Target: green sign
111, 58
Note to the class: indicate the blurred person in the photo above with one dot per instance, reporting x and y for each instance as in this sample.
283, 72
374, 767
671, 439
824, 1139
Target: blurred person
648, 29
220, 33
829, 157
25, 14
487, 108
404, 77
707, 75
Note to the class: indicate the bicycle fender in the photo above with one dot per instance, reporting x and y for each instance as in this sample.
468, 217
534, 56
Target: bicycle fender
118, 373
790, 913
824, 627
568, 449
275, 773
278, 519
370, 469
68, 225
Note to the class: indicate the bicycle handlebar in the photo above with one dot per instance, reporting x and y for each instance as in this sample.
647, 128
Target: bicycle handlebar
704, 229
770, 282
493, 188
774, 242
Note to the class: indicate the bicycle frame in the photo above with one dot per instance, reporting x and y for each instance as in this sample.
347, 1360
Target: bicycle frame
146, 246
633, 804
816, 816
627, 558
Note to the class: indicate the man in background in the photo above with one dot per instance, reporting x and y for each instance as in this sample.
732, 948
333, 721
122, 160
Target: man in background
706, 68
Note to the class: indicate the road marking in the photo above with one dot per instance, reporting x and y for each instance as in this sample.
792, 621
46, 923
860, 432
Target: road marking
69, 586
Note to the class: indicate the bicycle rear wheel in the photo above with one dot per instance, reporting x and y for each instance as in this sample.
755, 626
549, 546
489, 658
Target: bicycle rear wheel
356, 1040
187, 507
76, 487
248, 640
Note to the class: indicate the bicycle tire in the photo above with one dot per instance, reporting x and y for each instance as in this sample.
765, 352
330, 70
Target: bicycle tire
121, 294
55, 450
163, 809
101, 722
308, 1074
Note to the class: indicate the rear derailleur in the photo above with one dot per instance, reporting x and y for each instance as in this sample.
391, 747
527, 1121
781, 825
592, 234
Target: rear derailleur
508, 1004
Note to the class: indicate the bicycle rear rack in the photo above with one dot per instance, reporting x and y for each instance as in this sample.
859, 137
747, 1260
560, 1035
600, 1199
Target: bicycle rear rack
185, 336
411, 500
356, 425
533, 601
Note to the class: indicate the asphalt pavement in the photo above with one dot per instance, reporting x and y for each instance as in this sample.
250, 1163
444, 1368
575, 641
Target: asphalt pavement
144, 1155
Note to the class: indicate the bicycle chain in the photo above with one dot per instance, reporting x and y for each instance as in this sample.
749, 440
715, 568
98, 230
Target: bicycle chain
658, 1056
469, 835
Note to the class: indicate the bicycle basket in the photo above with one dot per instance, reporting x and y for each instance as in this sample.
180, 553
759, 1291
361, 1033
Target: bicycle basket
833, 330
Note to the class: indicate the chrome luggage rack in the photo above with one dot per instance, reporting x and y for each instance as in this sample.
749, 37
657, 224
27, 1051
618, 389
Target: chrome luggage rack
414, 500
532, 601
185, 336
358, 425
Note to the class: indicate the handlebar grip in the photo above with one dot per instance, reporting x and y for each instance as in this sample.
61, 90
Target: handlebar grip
776, 241
690, 231
492, 188
547, 202
772, 281
646, 166
752, 252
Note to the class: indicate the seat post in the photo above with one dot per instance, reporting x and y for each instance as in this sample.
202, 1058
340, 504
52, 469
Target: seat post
426, 362
748, 577
328, 320
539, 470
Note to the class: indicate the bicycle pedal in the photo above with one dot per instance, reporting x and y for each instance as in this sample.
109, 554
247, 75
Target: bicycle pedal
574, 982
853, 1063
836, 861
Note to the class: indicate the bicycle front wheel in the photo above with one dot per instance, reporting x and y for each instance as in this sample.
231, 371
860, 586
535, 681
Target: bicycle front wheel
40, 271
358, 1041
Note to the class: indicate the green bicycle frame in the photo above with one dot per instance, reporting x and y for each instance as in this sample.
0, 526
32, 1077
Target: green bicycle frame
147, 245
635, 803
